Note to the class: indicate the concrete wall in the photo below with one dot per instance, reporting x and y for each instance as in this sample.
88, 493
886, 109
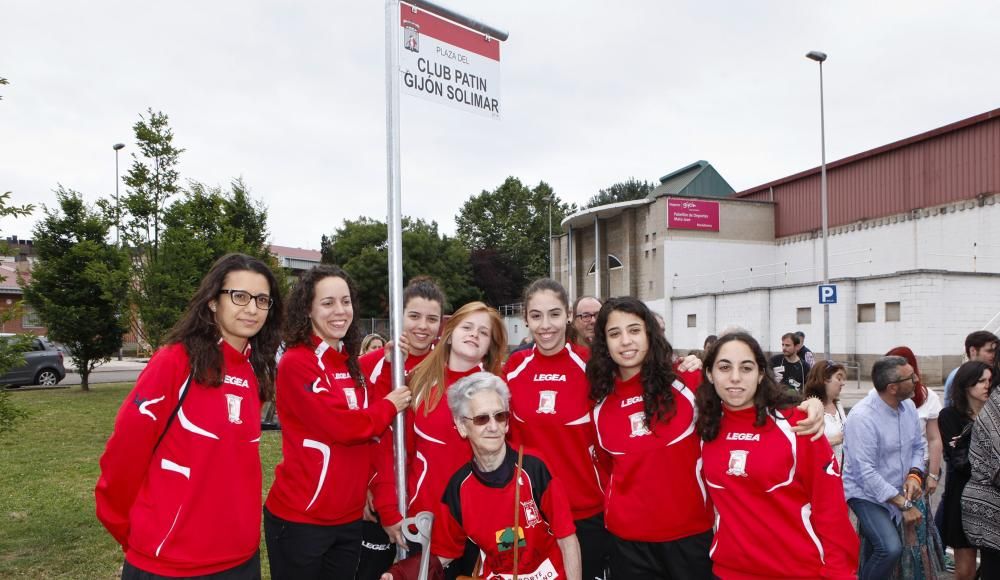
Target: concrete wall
937, 310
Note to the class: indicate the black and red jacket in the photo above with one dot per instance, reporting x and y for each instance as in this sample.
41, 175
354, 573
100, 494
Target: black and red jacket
550, 401
190, 507
434, 451
479, 506
768, 478
329, 425
656, 493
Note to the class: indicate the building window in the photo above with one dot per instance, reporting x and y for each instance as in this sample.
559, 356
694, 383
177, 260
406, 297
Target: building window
892, 312
651, 285
866, 313
654, 252
692, 320
647, 238
30, 318
647, 253
654, 236
613, 264
803, 316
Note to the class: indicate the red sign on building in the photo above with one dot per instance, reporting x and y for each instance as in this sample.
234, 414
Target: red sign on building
692, 214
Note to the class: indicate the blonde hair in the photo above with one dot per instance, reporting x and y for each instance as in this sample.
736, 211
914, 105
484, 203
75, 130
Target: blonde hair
428, 378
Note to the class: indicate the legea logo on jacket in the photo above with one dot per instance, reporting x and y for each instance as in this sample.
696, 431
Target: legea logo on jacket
238, 381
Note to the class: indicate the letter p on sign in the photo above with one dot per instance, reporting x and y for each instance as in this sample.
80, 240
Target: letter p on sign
828, 294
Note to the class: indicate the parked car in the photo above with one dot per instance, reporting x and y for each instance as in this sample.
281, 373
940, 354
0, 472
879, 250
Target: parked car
43, 365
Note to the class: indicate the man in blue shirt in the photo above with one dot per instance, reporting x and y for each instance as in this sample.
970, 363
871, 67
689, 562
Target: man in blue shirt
884, 462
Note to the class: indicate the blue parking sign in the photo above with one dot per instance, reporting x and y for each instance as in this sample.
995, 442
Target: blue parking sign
827, 293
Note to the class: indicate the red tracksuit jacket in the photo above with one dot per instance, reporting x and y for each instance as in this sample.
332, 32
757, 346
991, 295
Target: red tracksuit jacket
434, 451
768, 479
656, 493
550, 401
192, 506
379, 376
328, 427
480, 508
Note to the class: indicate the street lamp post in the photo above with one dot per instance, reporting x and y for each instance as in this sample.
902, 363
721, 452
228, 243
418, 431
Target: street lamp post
552, 269
820, 57
118, 216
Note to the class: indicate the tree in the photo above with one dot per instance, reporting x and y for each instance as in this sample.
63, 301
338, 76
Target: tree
79, 285
198, 229
151, 182
622, 191
513, 220
12, 348
499, 279
361, 248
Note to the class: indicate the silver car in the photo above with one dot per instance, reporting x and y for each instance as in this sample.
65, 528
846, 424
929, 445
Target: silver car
43, 365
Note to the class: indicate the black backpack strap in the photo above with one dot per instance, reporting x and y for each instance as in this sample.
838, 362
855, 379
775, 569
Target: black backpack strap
180, 400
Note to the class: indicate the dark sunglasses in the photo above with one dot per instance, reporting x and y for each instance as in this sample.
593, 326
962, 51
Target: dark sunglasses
501, 417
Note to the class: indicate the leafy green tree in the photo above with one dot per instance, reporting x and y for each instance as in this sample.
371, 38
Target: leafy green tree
513, 219
198, 229
79, 285
501, 282
361, 248
150, 183
11, 349
622, 191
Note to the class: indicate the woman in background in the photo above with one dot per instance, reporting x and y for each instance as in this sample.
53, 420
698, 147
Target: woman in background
825, 382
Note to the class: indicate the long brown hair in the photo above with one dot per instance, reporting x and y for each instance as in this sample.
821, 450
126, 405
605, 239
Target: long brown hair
298, 325
821, 372
542, 284
427, 380
200, 335
769, 397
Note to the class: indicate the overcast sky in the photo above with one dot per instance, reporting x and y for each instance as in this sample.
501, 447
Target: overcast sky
291, 96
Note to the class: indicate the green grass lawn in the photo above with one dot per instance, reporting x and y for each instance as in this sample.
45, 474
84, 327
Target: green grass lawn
48, 468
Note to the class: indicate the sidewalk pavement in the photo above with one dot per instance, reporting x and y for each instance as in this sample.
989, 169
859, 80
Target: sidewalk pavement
113, 365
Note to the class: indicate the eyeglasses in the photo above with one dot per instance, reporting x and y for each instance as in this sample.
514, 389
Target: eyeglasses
242, 298
912, 377
501, 417
586, 316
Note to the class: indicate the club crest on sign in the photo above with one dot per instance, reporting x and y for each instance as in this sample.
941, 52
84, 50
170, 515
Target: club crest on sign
233, 405
547, 402
738, 463
352, 399
637, 422
411, 36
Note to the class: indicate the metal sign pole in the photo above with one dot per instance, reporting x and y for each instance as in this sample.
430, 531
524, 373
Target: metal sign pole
395, 240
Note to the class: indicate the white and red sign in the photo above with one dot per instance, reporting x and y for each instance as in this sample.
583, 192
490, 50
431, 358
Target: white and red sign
447, 63
692, 214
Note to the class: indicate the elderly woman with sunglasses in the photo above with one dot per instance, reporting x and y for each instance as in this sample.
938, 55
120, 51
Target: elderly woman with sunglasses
506, 502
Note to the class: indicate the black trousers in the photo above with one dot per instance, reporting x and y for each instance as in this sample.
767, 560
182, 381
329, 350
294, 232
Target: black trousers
989, 563
377, 552
304, 551
249, 570
596, 546
683, 559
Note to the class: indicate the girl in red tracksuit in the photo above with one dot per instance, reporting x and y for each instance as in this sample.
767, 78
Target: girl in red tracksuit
550, 404
423, 304
655, 503
180, 477
760, 476
329, 420
474, 339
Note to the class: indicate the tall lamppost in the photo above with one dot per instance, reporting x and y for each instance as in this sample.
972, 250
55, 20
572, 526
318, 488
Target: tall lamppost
118, 215
820, 57
552, 270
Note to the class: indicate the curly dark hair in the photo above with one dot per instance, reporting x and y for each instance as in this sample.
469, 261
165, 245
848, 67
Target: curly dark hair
967, 376
657, 373
769, 397
198, 333
298, 326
